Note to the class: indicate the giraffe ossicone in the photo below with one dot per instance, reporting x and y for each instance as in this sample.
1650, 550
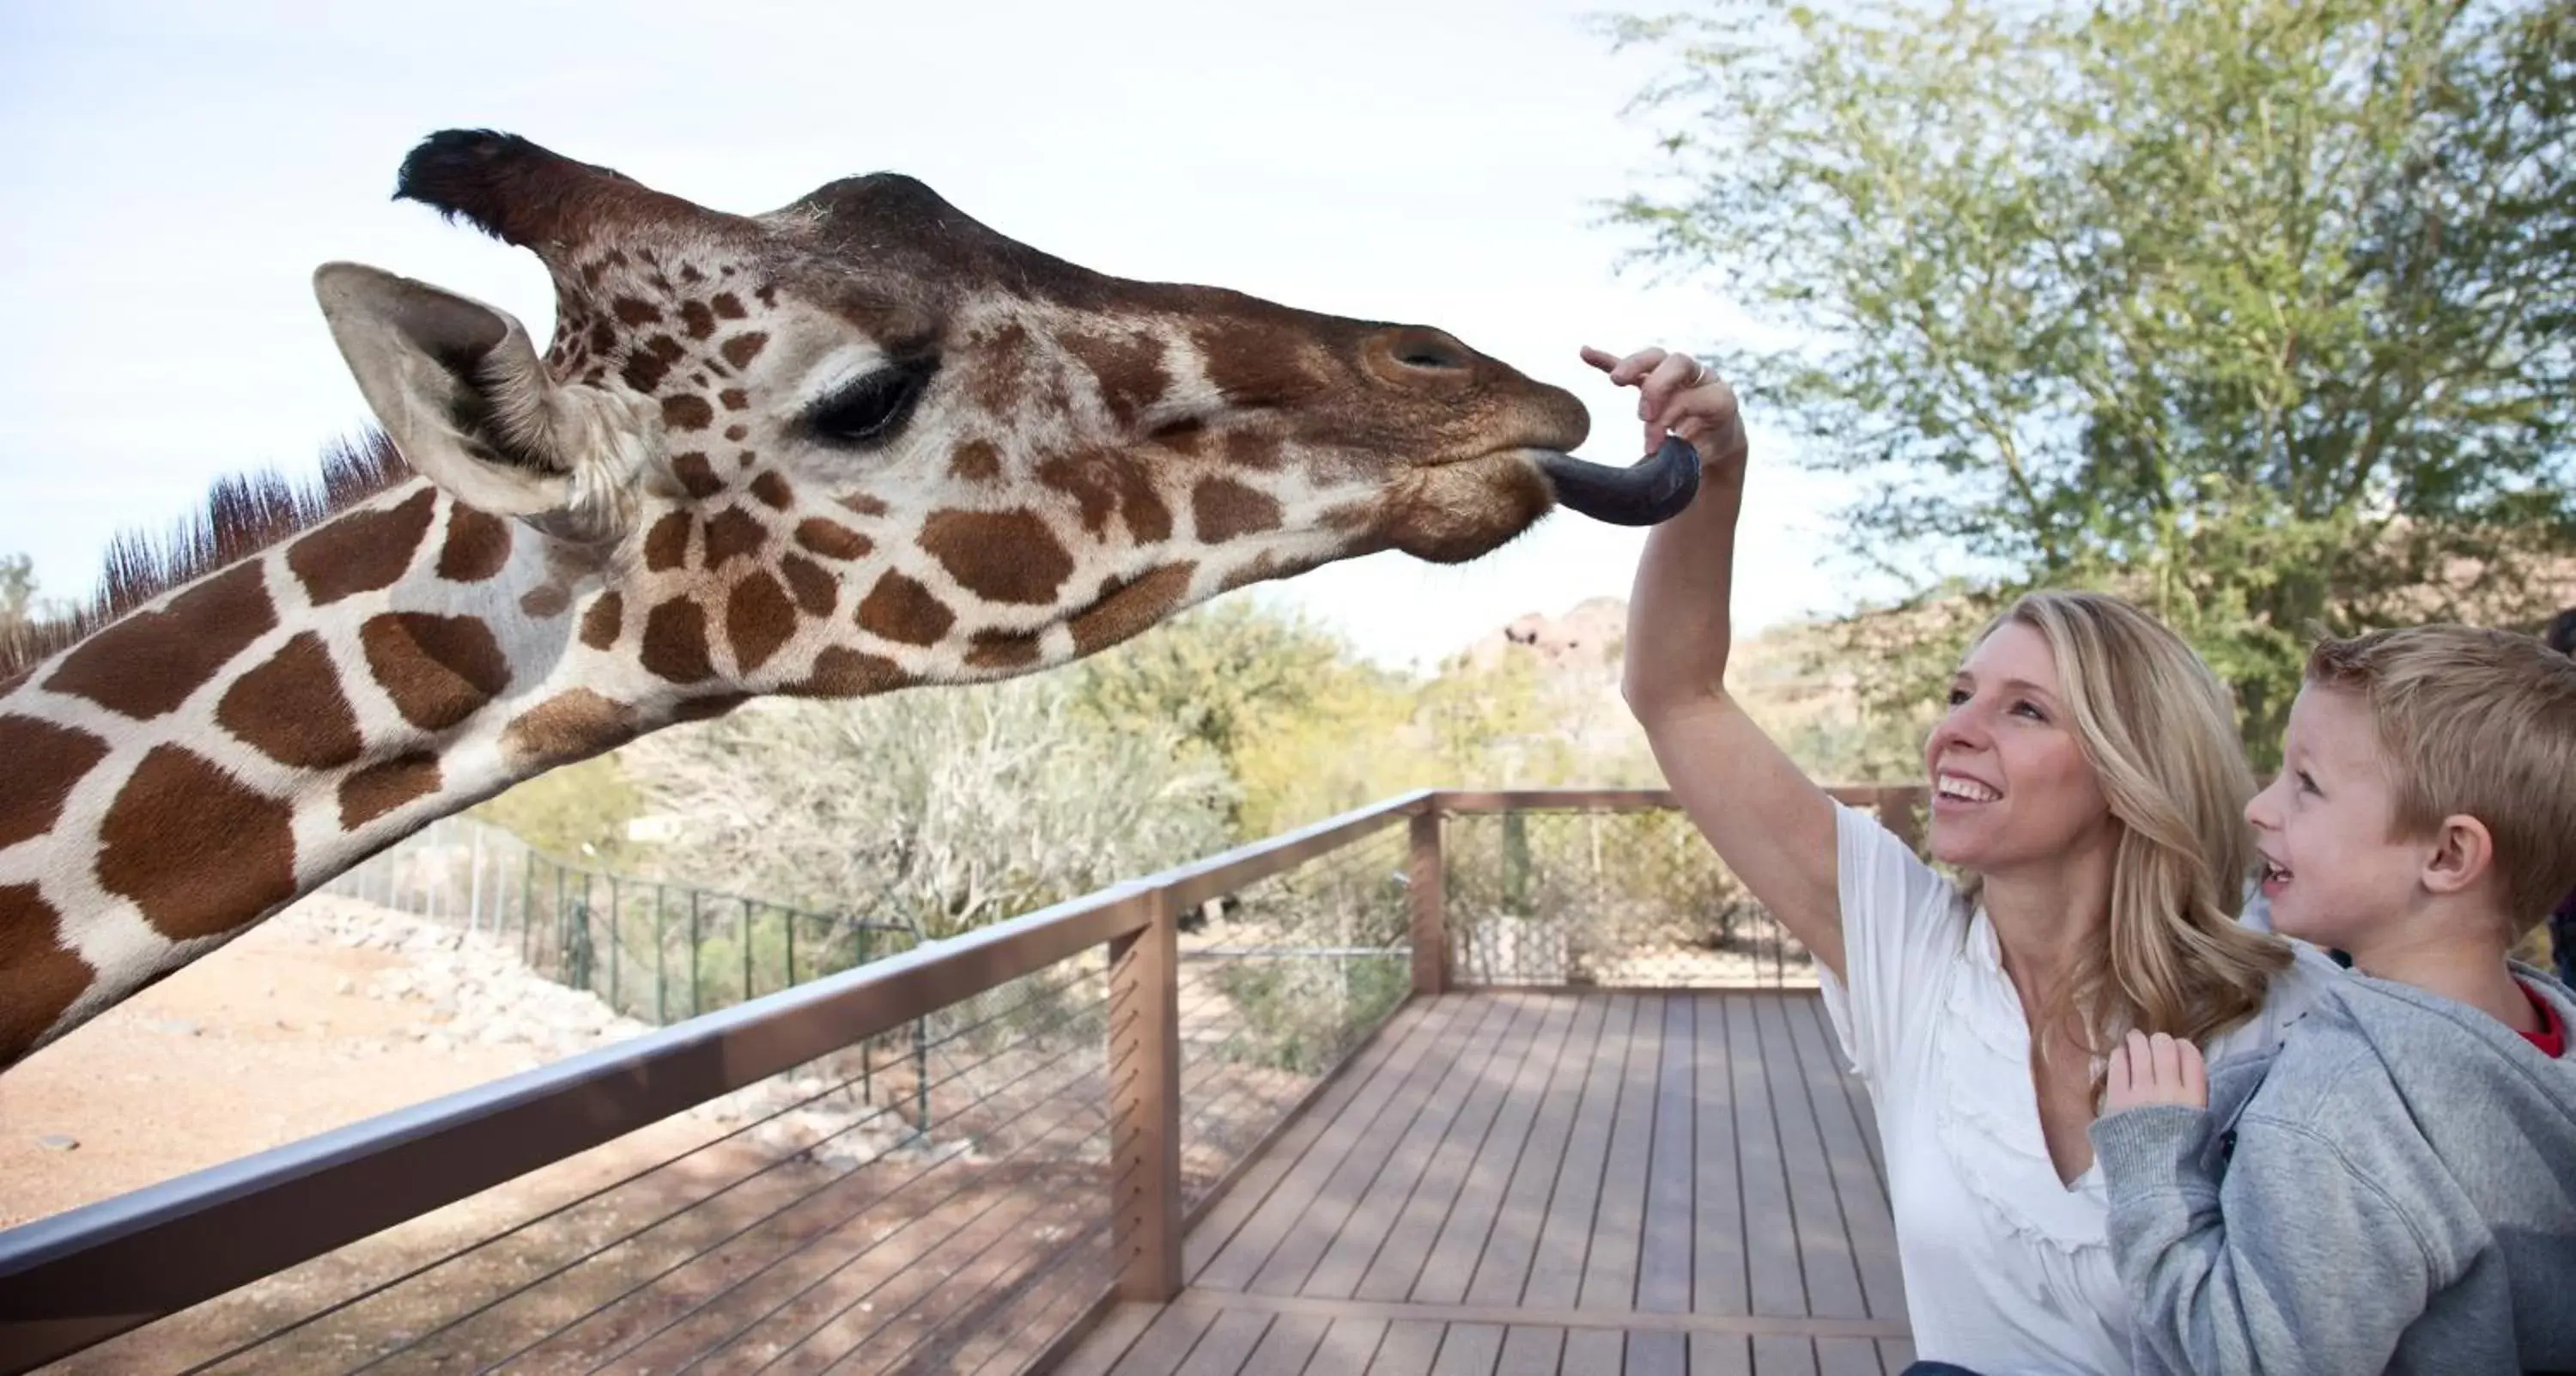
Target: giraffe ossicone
858, 443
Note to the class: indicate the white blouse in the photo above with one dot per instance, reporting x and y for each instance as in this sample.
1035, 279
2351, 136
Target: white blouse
2007, 1270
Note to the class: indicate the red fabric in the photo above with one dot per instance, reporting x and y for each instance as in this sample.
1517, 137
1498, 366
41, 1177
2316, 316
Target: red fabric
2552, 1036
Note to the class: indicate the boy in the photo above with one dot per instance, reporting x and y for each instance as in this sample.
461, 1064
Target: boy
2398, 1192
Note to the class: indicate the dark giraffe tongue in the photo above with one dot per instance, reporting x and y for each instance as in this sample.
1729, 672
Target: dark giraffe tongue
1654, 490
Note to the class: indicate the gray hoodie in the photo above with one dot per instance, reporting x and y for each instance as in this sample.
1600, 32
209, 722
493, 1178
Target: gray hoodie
2393, 1190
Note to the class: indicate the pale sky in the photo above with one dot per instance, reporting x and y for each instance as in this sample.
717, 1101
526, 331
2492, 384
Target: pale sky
175, 171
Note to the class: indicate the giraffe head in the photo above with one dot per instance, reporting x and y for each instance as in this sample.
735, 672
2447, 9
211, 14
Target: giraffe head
863, 441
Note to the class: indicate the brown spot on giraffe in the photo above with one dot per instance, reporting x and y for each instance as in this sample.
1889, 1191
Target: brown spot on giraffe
380, 788
1253, 362
361, 552
737, 433
198, 851
727, 305
1226, 510
1149, 520
976, 461
687, 413
632, 311
666, 545
831, 539
758, 619
743, 348
1000, 556
291, 708
861, 503
600, 624
735, 399
1001, 362
150, 662
1002, 650
1131, 608
644, 372
478, 545
40, 978
572, 725
816, 591
734, 534
840, 672
1130, 370
772, 490
697, 476
438, 670
546, 603
1089, 480
901, 609
696, 319
44, 761
675, 642
1258, 450
709, 707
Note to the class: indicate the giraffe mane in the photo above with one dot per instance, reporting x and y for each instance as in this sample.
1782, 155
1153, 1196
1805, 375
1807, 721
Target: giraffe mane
242, 515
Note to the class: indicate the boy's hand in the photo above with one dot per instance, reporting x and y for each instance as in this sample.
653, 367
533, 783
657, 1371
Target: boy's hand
2154, 1070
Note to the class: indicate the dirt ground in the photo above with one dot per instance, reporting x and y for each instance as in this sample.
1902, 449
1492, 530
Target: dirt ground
262, 1043
695, 1239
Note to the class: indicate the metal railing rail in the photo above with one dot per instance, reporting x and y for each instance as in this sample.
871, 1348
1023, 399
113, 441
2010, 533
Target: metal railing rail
81, 1277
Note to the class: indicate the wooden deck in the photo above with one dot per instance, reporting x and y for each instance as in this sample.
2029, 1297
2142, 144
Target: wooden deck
1509, 1183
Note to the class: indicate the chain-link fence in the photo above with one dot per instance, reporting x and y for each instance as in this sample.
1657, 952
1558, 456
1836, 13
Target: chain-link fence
1628, 899
653, 951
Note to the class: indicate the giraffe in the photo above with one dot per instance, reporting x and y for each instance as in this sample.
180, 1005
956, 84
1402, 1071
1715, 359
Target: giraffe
855, 444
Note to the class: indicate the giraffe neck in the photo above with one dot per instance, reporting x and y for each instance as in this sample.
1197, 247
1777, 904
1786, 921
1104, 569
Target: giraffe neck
233, 745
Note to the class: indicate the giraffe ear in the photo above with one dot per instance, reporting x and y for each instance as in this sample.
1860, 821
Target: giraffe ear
458, 386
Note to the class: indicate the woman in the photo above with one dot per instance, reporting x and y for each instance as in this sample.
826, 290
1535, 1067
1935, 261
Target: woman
2087, 778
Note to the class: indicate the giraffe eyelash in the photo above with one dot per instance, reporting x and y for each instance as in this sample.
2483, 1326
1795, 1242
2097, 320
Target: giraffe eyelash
870, 408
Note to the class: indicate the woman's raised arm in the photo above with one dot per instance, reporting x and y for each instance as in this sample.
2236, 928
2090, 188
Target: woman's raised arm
1767, 820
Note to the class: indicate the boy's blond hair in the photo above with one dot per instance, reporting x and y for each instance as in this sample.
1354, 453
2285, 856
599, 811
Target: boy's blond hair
2474, 722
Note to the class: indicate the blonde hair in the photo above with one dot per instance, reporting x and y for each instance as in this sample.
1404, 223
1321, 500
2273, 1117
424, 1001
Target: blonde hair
2477, 722
2160, 733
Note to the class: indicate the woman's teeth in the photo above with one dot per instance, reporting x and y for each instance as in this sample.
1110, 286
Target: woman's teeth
1966, 790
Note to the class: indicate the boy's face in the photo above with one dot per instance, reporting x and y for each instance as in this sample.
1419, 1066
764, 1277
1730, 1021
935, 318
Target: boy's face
2334, 869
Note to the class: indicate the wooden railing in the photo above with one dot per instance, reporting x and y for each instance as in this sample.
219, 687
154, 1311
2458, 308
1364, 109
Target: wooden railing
79, 1278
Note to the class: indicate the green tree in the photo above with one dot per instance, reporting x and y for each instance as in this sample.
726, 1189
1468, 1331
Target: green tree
2254, 310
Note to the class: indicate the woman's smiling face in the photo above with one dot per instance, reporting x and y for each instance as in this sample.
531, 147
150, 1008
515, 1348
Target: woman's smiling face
2010, 780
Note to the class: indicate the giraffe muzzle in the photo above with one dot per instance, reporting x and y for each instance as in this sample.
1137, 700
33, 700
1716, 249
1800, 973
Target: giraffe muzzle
1646, 493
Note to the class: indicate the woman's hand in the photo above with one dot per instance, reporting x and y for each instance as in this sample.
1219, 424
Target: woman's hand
1678, 394
2148, 1070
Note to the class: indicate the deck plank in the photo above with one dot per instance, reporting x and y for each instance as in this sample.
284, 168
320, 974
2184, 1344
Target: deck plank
1824, 1245
1311, 1159
1571, 1029
1551, 1275
1770, 1225
1538, 1025
1664, 1249
1504, 1265
1533, 1181
1409, 1349
1321, 1216
1866, 1217
1226, 1218
1619, 1219
1356, 1241
1469, 1349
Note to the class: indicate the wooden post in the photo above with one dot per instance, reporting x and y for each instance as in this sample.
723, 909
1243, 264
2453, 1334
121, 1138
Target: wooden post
1145, 1104
1430, 919
1896, 813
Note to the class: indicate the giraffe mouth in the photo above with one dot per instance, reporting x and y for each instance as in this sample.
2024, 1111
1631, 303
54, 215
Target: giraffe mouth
1646, 493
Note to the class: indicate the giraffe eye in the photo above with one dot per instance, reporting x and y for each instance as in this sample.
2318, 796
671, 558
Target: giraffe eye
869, 409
